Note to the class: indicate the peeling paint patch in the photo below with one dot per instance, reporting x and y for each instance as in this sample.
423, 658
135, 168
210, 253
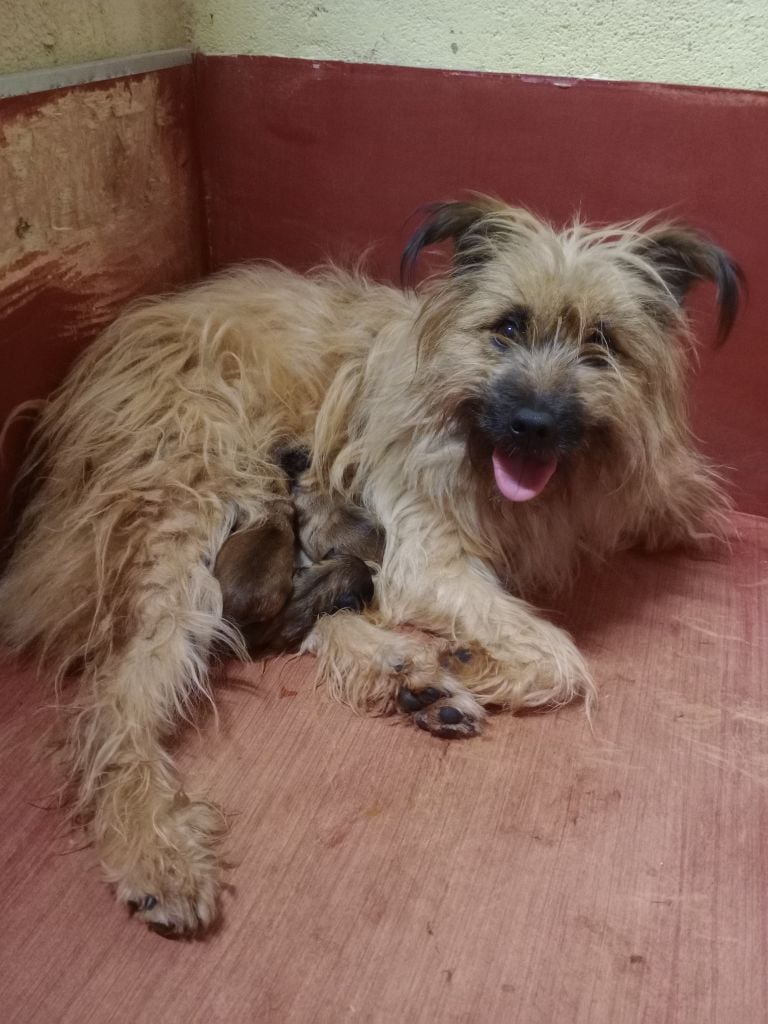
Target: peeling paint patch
89, 161
99, 203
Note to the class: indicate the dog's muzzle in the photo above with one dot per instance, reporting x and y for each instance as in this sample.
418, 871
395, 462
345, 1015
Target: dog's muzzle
530, 432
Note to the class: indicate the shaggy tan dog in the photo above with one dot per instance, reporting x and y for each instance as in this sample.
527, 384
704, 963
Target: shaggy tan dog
524, 411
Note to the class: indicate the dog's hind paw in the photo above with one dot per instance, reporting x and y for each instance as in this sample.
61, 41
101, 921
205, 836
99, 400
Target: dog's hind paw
447, 710
176, 915
172, 882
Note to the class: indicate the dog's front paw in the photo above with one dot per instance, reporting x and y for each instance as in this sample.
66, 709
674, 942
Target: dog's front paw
168, 873
445, 709
551, 671
543, 669
539, 668
366, 666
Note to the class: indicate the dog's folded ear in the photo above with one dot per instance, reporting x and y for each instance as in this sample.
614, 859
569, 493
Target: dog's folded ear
681, 256
469, 225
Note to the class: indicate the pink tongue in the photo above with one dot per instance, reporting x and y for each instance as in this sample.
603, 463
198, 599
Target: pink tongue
520, 478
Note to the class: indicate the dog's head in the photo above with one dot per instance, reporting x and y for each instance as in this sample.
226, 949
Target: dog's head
549, 346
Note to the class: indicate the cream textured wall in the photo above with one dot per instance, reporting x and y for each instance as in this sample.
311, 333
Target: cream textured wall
707, 42
47, 33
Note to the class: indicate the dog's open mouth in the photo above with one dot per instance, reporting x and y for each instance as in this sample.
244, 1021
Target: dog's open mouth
521, 477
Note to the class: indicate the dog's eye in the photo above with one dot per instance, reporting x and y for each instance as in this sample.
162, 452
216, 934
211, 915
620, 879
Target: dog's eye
509, 328
599, 337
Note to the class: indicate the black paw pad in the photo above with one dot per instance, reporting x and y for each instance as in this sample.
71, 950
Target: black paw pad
450, 716
166, 930
408, 701
414, 700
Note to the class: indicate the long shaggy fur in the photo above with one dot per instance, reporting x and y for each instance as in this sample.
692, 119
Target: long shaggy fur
160, 444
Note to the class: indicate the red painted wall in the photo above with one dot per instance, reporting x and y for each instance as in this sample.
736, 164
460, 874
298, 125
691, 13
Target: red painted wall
303, 160
100, 201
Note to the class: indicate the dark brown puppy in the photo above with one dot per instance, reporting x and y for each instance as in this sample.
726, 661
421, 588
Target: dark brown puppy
326, 524
273, 602
275, 606
255, 569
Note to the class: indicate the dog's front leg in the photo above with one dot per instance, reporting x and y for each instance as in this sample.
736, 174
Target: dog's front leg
514, 657
381, 670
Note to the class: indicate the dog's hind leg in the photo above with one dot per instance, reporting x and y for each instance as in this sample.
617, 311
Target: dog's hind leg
375, 669
157, 845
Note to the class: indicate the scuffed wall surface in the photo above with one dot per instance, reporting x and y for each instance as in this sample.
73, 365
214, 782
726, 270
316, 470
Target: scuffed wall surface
47, 33
709, 42
79, 168
99, 203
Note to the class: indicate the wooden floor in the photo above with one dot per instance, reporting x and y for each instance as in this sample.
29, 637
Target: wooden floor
538, 874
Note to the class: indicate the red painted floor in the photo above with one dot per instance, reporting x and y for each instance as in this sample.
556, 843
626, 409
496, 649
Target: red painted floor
539, 873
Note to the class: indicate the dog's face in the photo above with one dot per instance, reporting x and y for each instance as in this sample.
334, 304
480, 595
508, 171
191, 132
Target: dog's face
546, 348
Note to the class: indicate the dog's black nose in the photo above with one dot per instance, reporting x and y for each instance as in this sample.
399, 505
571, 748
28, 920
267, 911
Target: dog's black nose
533, 427
528, 422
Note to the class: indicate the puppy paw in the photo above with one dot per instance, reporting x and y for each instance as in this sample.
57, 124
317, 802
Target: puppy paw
169, 877
445, 710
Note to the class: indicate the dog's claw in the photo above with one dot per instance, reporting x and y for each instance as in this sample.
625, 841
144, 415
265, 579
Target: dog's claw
137, 906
